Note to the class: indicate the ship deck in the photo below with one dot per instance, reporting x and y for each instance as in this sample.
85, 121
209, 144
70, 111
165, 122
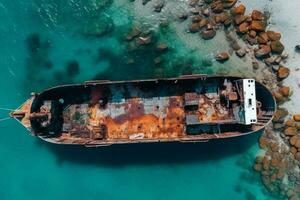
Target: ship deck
143, 118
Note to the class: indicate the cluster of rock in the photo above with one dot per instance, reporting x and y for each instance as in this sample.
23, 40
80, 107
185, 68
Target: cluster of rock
291, 132
278, 166
274, 165
139, 39
263, 46
210, 15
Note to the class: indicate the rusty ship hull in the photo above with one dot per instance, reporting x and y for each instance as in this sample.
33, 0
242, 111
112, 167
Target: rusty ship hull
194, 108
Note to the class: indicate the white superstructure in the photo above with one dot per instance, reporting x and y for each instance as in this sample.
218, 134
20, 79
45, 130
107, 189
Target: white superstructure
250, 112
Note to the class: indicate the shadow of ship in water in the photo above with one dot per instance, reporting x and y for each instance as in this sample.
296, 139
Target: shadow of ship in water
152, 153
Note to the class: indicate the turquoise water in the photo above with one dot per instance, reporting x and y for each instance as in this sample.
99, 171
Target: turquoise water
40, 38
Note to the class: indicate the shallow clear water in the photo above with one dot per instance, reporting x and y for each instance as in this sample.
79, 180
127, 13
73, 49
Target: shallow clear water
32, 169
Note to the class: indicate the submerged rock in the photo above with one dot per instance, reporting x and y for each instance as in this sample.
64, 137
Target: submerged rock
194, 27
290, 131
208, 34
33, 42
144, 2
280, 114
257, 167
241, 53
203, 23
263, 142
255, 65
295, 140
134, 32
162, 47
98, 27
183, 16
222, 57
159, 4
196, 18
206, 62
263, 51
72, 68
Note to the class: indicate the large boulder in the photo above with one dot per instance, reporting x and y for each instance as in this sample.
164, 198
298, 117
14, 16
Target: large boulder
257, 15
257, 25
285, 91
239, 19
278, 97
224, 16
194, 27
293, 150
263, 51
263, 38
222, 57
196, 18
290, 131
283, 72
203, 23
295, 141
277, 47
273, 36
239, 10
290, 123
243, 27
297, 117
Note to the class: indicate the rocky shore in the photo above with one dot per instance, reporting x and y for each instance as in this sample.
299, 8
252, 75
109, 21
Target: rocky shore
279, 165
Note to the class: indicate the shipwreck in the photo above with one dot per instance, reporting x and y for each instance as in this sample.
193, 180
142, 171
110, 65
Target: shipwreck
191, 108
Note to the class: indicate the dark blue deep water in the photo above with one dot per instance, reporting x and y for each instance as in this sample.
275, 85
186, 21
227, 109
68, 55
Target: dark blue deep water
50, 42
